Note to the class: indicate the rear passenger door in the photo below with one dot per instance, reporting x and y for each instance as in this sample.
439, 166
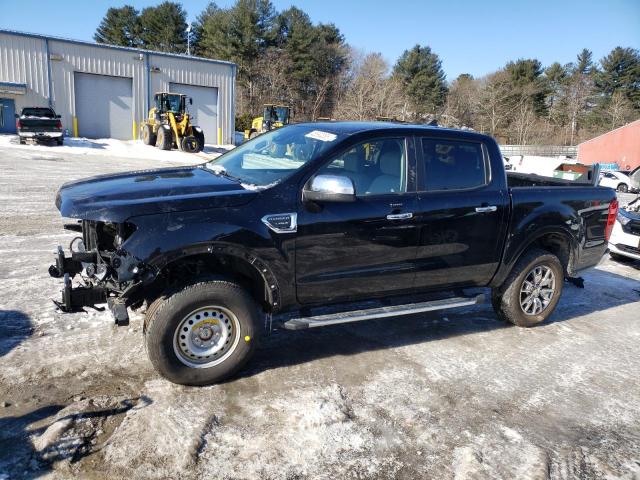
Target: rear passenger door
462, 208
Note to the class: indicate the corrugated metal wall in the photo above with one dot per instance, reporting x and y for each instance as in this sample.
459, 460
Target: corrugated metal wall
23, 60
205, 75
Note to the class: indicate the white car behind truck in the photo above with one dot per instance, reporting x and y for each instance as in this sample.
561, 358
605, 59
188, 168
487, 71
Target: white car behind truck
625, 236
619, 181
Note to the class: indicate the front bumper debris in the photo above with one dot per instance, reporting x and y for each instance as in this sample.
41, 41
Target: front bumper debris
75, 299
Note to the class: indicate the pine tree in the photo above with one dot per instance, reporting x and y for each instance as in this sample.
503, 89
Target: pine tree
120, 26
621, 73
420, 72
584, 64
164, 28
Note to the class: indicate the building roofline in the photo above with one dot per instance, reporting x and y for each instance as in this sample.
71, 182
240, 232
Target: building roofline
609, 132
116, 47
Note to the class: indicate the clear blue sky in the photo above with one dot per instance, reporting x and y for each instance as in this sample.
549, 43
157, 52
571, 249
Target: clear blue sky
470, 36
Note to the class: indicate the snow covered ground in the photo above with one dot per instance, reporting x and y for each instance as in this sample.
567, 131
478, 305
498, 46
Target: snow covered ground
441, 395
114, 148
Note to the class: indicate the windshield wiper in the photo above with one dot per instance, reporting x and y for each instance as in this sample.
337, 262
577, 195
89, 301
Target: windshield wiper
220, 170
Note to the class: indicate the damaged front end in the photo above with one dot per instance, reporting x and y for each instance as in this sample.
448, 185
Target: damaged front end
107, 273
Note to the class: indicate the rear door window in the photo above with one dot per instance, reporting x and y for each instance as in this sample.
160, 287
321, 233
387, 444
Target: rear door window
453, 165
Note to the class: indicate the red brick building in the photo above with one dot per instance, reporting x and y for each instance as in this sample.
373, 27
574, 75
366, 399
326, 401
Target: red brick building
621, 146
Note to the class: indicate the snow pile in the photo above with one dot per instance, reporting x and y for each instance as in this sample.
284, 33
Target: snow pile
111, 147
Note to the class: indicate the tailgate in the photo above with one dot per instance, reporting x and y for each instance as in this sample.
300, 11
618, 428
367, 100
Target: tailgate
33, 124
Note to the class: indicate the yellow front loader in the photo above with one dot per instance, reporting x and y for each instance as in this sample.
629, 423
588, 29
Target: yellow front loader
273, 116
169, 124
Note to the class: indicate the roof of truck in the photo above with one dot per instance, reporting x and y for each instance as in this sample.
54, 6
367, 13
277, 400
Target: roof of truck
350, 128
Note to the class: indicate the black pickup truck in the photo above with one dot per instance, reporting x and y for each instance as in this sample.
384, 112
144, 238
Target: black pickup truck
318, 224
39, 123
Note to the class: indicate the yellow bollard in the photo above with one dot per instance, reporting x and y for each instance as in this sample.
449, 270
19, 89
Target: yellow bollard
219, 136
75, 126
135, 130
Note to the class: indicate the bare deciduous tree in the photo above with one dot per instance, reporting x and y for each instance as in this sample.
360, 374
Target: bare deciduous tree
369, 90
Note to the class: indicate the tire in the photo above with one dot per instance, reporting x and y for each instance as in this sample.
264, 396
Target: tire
23, 141
148, 137
223, 309
506, 299
253, 134
190, 144
622, 188
164, 139
60, 141
200, 136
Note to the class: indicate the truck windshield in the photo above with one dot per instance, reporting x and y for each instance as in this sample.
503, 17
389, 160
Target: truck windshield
273, 156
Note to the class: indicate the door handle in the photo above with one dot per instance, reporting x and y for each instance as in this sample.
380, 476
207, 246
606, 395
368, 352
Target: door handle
489, 208
400, 216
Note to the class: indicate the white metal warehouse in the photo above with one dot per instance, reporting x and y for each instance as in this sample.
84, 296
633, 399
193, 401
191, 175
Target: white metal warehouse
104, 91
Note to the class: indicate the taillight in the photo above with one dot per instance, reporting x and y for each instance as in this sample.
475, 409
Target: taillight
59, 125
18, 124
611, 219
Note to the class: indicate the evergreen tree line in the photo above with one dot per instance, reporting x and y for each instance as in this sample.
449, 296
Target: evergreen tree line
284, 57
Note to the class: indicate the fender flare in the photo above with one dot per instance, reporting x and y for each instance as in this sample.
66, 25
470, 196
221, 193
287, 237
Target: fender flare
272, 289
505, 268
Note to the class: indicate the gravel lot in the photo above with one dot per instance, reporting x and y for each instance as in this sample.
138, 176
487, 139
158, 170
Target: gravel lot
456, 394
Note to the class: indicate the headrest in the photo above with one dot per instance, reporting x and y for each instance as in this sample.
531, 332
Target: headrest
390, 158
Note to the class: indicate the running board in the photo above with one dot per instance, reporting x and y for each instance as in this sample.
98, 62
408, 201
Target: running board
380, 312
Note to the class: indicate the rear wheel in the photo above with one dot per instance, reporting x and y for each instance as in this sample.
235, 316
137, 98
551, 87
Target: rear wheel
202, 334
164, 140
60, 141
23, 141
532, 290
622, 188
148, 137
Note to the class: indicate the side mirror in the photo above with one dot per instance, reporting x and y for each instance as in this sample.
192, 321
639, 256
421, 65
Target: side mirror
329, 188
17, 115
58, 116
190, 101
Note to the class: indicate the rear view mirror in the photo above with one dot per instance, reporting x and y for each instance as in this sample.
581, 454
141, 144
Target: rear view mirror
58, 116
17, 115
329, 188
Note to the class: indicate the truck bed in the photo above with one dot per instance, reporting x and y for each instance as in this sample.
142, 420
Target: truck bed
515, 179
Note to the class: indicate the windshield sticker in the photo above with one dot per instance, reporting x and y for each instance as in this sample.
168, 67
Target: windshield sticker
322, 136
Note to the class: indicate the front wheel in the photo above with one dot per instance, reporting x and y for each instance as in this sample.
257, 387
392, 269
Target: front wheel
532, 290
623, 188
202, 334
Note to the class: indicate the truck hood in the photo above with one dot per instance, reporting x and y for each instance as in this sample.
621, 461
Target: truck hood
114, 198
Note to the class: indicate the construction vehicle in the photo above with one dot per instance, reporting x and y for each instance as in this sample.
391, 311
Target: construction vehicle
169, 124
274, 116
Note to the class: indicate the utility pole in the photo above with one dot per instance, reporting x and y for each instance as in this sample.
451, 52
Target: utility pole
189, 39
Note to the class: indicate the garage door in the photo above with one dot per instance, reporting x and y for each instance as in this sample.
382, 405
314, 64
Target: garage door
204, 109
104, 106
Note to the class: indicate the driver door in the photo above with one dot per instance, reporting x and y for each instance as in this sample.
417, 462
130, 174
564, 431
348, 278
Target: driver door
353, 250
